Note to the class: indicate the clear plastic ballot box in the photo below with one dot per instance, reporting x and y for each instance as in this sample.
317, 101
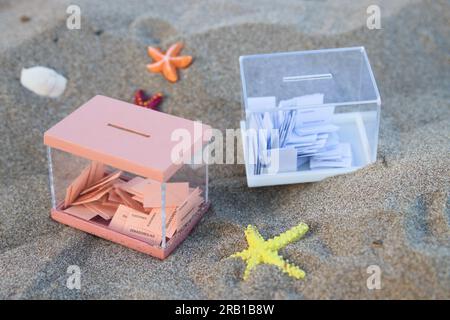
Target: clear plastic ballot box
308, 115
128, 174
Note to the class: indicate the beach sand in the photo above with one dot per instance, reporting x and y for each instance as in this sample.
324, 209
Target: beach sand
394, 214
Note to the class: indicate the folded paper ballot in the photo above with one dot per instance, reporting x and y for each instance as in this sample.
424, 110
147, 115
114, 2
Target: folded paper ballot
142, 226
128, 200
113, 196
288, 137
92, 196
104, 211
188, 208
94, 172
106, 181
148, 192
147, 226
136, 186
176, 193
81, 212
132, 207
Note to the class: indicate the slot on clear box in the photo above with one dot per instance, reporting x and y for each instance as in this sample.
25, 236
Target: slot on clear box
308, 115
113, 174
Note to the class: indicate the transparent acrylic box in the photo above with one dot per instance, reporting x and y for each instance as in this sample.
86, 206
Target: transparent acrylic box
117, 173
310, 101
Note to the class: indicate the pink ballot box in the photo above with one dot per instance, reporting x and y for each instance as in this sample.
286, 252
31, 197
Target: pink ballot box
128, 174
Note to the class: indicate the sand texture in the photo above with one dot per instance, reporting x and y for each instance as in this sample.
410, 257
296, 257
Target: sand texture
394, 213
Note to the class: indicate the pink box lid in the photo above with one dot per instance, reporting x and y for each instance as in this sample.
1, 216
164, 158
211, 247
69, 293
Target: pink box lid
127, 137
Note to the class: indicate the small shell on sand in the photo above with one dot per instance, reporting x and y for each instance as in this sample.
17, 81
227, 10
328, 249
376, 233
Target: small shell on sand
43, 81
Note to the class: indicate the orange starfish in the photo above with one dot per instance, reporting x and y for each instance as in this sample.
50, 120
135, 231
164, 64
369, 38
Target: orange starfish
168, 63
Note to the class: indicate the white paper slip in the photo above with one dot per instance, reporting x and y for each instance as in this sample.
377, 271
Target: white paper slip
252, 142
267, 121
319, 148
282, 160
262, 146
342, 150
316, 129
323, 135
253, 149
274, 139
303, 145
330, 158
339, 163
332, 140
302, 161
306, 154
318, 144
287, 127
261, 103
338, 157
314, 116
296, 139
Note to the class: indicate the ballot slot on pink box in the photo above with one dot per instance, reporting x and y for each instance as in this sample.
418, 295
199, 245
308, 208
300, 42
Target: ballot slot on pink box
124, 174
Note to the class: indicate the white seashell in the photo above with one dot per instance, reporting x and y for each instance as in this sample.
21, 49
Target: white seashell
43, 81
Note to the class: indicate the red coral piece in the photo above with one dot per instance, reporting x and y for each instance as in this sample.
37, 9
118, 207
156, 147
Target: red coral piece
155, 100
143, 100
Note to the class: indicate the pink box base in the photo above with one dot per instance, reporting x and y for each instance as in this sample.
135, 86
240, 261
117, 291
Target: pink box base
102, 231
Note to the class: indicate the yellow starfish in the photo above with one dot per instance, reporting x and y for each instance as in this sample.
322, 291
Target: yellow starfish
266, 251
